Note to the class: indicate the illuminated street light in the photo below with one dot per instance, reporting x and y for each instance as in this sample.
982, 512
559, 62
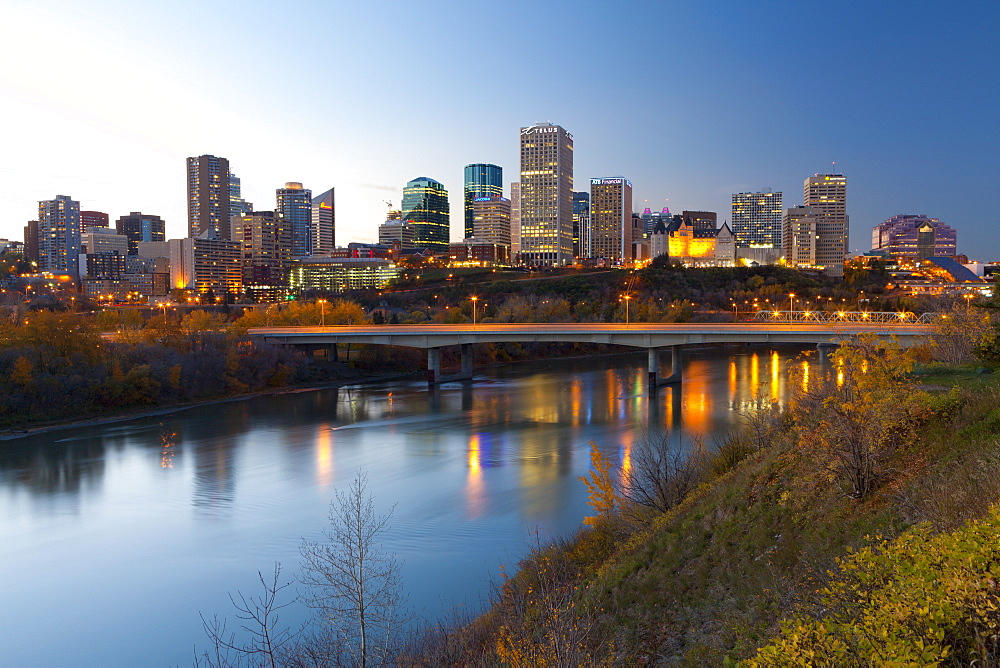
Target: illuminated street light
474, 300
322, 312
626, 298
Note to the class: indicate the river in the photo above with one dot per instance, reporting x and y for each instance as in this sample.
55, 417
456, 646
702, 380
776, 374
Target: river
116, 537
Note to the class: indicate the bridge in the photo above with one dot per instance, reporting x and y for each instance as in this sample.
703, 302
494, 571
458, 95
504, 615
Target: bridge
653, 337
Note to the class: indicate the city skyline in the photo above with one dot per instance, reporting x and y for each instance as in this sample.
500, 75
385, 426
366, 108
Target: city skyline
685, 146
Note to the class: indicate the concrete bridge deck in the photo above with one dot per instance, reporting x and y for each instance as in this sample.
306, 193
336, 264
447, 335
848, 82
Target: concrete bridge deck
650, 336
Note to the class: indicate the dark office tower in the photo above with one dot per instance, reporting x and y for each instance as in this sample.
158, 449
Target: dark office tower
581, 223
546, 195
91, 219
698, 220
425, 204
324, 223
294, 209
59, 234
208, 189
481, 180
138, 227
31, 241
827, 194
757, 219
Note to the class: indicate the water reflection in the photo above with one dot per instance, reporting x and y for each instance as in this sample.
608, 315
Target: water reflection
473, 467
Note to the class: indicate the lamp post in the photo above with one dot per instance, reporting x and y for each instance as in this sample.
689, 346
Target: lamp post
474, 300
626, 298
968, 297
791, 305
322, 312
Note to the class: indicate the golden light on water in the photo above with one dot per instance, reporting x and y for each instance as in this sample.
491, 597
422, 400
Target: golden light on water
775, 375
805, 375
474, 494
324, 455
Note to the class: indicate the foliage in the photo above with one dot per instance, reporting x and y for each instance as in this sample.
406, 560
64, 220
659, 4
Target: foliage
602, 495
920, 599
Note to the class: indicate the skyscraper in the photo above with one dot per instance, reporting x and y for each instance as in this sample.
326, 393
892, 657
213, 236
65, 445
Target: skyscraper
546, 195
611, 219
324, 223
266, 240
91, 219
515, 220
481, 180
294, 209
138, 226
59, 234
799, 236
237, 205
209, 198
581, 223
827, 194
425, 204
756, 219
491, 220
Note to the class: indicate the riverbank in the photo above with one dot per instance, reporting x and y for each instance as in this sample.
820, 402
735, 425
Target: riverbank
766, 521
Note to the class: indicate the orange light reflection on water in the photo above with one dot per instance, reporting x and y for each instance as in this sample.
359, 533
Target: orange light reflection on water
696, 397
324, 455
474, 494
775, 376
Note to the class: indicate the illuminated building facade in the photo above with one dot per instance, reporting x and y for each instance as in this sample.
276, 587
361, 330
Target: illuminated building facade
59, 241
827, 194
425, 204
396, 234
688, 244
491, 220
89, 219
294, 209
915, 236
340, 274
138, 226
546, 200
266, 242
472, 252
206, 263
481, 180
799, 229
324, 223
756, 220
209, 195
103, 240
515, 220
610, 219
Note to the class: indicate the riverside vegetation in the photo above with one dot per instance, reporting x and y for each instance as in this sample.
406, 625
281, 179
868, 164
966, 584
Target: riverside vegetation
858, 525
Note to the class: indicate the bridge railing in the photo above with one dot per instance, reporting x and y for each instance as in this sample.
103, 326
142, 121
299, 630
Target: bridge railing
887, 317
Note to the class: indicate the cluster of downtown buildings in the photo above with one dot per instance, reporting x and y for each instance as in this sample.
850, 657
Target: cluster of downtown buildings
232, 249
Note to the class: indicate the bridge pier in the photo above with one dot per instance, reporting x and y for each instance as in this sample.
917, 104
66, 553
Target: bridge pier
825, 350
653, 365
466, 361
433, 366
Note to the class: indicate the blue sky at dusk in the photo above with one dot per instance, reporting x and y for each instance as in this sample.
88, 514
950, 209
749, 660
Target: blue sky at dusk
691, 101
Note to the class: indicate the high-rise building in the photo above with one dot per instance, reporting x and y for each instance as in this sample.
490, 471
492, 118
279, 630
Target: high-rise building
89, 219
324, 223
138, 226
827, 193
425, 204
491, 220
546, 195
103, 240
209, 195
266, 240
799, 232
699, 220
205, 263
294, 209
59, 234
756, 219
515, 220
651, 218
910, 235
581, 223
237, 205
396, 234
611, 219
481, 180
31, 241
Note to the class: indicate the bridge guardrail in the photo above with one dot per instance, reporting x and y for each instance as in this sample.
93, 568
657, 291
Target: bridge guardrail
887, 317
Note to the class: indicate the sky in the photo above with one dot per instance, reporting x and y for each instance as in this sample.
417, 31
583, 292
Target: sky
690, 100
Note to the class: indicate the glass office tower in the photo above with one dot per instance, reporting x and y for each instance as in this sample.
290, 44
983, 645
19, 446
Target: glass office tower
425, 204
481, 180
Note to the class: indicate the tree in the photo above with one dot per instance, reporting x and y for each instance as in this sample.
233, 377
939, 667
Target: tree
354, 584
662, 476
602, 496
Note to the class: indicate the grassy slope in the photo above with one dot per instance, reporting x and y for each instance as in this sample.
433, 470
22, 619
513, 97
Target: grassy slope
713, 577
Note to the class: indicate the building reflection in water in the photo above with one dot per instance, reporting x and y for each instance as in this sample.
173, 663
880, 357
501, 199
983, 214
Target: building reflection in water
475, 498
325, 474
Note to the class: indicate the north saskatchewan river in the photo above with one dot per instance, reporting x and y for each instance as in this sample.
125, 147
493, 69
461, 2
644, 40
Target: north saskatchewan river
113, 538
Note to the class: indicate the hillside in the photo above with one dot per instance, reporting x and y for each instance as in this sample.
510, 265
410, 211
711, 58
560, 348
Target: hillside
870, 468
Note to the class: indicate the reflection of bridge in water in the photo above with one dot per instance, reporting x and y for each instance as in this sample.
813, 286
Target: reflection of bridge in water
653, 337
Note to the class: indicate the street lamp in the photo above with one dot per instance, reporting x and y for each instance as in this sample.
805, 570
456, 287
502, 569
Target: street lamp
968, 297
474, 300
322, 312
791, 305
626, 298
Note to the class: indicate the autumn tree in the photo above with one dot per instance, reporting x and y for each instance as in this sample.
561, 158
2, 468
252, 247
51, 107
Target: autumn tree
602, 495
